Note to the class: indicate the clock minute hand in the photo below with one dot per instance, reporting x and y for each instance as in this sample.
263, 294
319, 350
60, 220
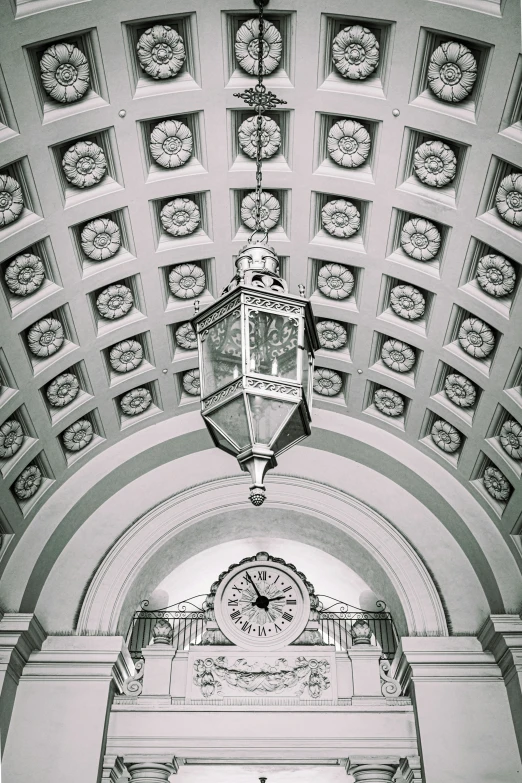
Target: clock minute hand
252, 583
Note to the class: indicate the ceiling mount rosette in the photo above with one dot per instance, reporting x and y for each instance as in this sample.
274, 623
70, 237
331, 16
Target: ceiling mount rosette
247, 47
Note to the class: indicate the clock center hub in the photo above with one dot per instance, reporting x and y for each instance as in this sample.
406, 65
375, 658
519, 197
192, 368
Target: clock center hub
262, 602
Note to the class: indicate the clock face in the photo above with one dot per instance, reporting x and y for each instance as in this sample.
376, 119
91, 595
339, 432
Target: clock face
260, 604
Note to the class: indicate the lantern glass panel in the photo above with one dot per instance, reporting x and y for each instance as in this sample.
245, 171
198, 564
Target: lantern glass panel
273, 344
293, 431
268, 414
232, 419
221, 360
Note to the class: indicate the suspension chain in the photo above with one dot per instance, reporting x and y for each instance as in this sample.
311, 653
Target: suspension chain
259, 110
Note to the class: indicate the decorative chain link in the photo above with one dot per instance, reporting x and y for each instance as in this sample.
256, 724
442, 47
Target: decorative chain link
259, 110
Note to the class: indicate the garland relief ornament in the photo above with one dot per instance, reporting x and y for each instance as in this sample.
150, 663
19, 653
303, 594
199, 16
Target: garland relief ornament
348, 143
496, 484
84, 164
180, 217
187, 281
496, 275
511, 438
509, 199
445, 436
64, 71
126, 356
340, 218
355, 52
45, 337
78, 435
161, 52
269, 213
63, 390
11, 200
247, 47
420, 239
460, 390
476, 338
335, 281
11, 438
100, 239
28, 482
407, 302
25, 274
332, 335
115, 301
452, 71
171, 144
327, 383
136, 401
191, 382
186, 337
388, 402
270, 137
398, 356
435, 164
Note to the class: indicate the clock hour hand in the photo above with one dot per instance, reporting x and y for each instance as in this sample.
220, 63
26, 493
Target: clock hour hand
277, 598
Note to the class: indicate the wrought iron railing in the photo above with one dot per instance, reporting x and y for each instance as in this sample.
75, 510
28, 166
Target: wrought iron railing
186, 618
336, 620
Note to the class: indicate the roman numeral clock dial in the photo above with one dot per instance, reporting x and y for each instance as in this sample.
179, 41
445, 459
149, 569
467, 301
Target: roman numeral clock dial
262, 605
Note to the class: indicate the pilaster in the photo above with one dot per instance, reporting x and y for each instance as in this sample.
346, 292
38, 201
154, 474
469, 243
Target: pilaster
411, 770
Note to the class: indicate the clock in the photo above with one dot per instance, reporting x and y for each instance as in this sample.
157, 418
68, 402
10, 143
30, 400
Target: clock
262, 604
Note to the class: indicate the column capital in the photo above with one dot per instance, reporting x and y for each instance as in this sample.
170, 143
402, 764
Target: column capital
151, 769
411, 769
502, 635
372, 769
114, 770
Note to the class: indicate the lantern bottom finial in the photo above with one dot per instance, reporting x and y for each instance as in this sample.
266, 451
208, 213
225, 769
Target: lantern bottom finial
257, 495
257, 460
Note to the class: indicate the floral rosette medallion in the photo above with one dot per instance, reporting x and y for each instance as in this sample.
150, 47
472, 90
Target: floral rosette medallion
407, 302
64, 71
327, 383
445, 436
476, 338
45, 337
348, 143
508, 200
496, 275
186, 337
355, 52
180, 217
11, 200
126, 356
78, 435
115, 301
511, 438
269, 138
28, 482
388, 402
420, 239
398, 356
452, 72
136, 401
335, 281
192, 383
460, 390
435, 164
171, 144
247, 47
25, 274
187, 281
269, 212
161, 52
496, 484
11, 438
332, 335
100, 239
340, 218
63, 390
84, 164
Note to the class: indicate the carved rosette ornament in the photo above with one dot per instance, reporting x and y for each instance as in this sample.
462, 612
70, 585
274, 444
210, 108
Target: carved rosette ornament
460, 390
398, 356
11, 200
407, 302
28, 482
78, 435
161, 52
435, 164
340, 218
355, 52
192, 383
136, 401
180, 217
187, 281
11, 438
327, 383
445, 436
171, 144
63, 390
348, 143
511, 438
335, 281
186, 337
388, 402
247, 47
452, 72
45, 337
25, 274
64, 71
126, 356
100, 239
269, 138
420, 239
269, 213
115, 301
496, 484
508, 200
84, 164
332, 335
496, 275
476, 338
